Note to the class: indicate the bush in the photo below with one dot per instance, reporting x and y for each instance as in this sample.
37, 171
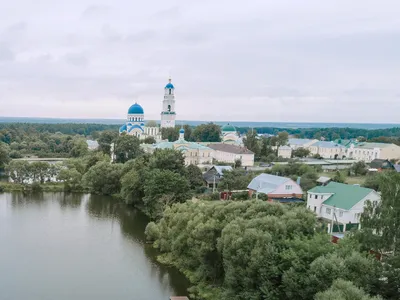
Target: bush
240, 196
36, 187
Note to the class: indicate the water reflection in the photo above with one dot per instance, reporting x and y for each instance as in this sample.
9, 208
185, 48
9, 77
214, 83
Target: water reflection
133, 223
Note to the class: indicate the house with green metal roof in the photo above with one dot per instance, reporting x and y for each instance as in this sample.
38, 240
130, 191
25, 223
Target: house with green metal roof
344, 203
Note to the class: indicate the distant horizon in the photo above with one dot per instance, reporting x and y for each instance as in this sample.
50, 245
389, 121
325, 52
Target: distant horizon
284, 124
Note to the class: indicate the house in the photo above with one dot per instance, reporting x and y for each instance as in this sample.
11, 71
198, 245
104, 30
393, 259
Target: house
229, 153
285, 152
381, 164
342, 202
277, 188
330, 150
214, 175
92, 144
300, 143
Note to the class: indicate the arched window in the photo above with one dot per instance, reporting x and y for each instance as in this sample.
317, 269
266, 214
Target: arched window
170, 91
169, 107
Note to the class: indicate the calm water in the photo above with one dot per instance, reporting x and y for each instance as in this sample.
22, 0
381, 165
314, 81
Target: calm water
81, 247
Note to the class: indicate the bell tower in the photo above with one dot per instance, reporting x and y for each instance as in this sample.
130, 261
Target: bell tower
168, 114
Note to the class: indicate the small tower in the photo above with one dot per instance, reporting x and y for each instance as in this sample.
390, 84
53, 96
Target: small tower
168, 114
182, 134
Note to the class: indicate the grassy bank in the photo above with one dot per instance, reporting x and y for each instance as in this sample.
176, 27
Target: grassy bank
45, 187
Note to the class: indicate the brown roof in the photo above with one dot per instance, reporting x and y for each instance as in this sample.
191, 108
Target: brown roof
178, 298
230, 148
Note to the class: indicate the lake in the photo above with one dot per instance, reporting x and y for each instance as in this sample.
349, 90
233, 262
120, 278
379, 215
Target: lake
82, 247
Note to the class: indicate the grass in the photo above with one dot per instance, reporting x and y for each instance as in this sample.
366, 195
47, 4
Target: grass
45, 187
349, 179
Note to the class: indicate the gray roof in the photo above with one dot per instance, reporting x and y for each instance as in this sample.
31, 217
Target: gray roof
220, 169
230, 148
266, 183
299, 142
285, 148
325, 144
323, 179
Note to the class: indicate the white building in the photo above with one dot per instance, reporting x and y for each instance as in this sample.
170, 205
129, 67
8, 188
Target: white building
135, 124
370, 151
168, 114
194, 153
228, 153
328, 150
300, 143
229, 135
285, 152
342, 202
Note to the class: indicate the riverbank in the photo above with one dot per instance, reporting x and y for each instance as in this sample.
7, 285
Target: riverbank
45, 187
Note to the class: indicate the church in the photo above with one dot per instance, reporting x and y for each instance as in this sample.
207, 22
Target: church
135, 123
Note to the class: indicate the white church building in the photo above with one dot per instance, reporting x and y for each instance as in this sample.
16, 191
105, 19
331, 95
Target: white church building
135, 124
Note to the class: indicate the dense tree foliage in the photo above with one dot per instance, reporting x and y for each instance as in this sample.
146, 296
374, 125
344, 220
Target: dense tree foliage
207, 133
256, 250
301, 152
127, 147
195, 176
103, 178
344, 290
359, 168
4, 154
23, 172
237, 179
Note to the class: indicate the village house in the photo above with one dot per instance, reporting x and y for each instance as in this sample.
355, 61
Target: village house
228, 153
214, 175
301, 143
277, 188
341, 202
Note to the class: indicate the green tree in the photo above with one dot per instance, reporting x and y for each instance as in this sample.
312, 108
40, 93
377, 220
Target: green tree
19, 171
344, 290
149, 140
127, 147
79, 148
4, 154
359, 168
168, 159
171, 134
195, 176
103, 178
163, 188
40, 170
283, 138
339, 177
301, 152
237, 179
106, 139
372, 181
238, 163
71, 178
207, 133
252, 143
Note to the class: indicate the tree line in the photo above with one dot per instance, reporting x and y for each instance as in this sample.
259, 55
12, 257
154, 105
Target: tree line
261, 250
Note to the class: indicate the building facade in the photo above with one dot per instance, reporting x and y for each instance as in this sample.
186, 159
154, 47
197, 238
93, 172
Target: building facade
341, 202
325, 149
229, 153
285, 152
135, 124
168, 114
229, 134
194, 153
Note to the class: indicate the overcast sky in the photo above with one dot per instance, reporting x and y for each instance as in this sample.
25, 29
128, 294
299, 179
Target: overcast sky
255, 60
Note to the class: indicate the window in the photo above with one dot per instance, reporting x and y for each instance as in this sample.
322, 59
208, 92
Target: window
170, 91
309, 196
316, 196
341, 213
315, 209
328, 211
322, 197
288, 187
375, 203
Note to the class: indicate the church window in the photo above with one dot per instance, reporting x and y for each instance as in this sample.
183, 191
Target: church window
169, 107
170, 91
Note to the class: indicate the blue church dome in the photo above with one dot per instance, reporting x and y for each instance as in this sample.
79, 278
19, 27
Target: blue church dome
169, 86
135, 109
182, 130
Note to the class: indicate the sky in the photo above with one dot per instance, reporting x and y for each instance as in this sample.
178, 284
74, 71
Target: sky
255, 60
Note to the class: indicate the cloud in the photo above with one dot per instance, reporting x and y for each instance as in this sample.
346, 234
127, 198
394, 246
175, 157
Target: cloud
76, 59
265, 61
